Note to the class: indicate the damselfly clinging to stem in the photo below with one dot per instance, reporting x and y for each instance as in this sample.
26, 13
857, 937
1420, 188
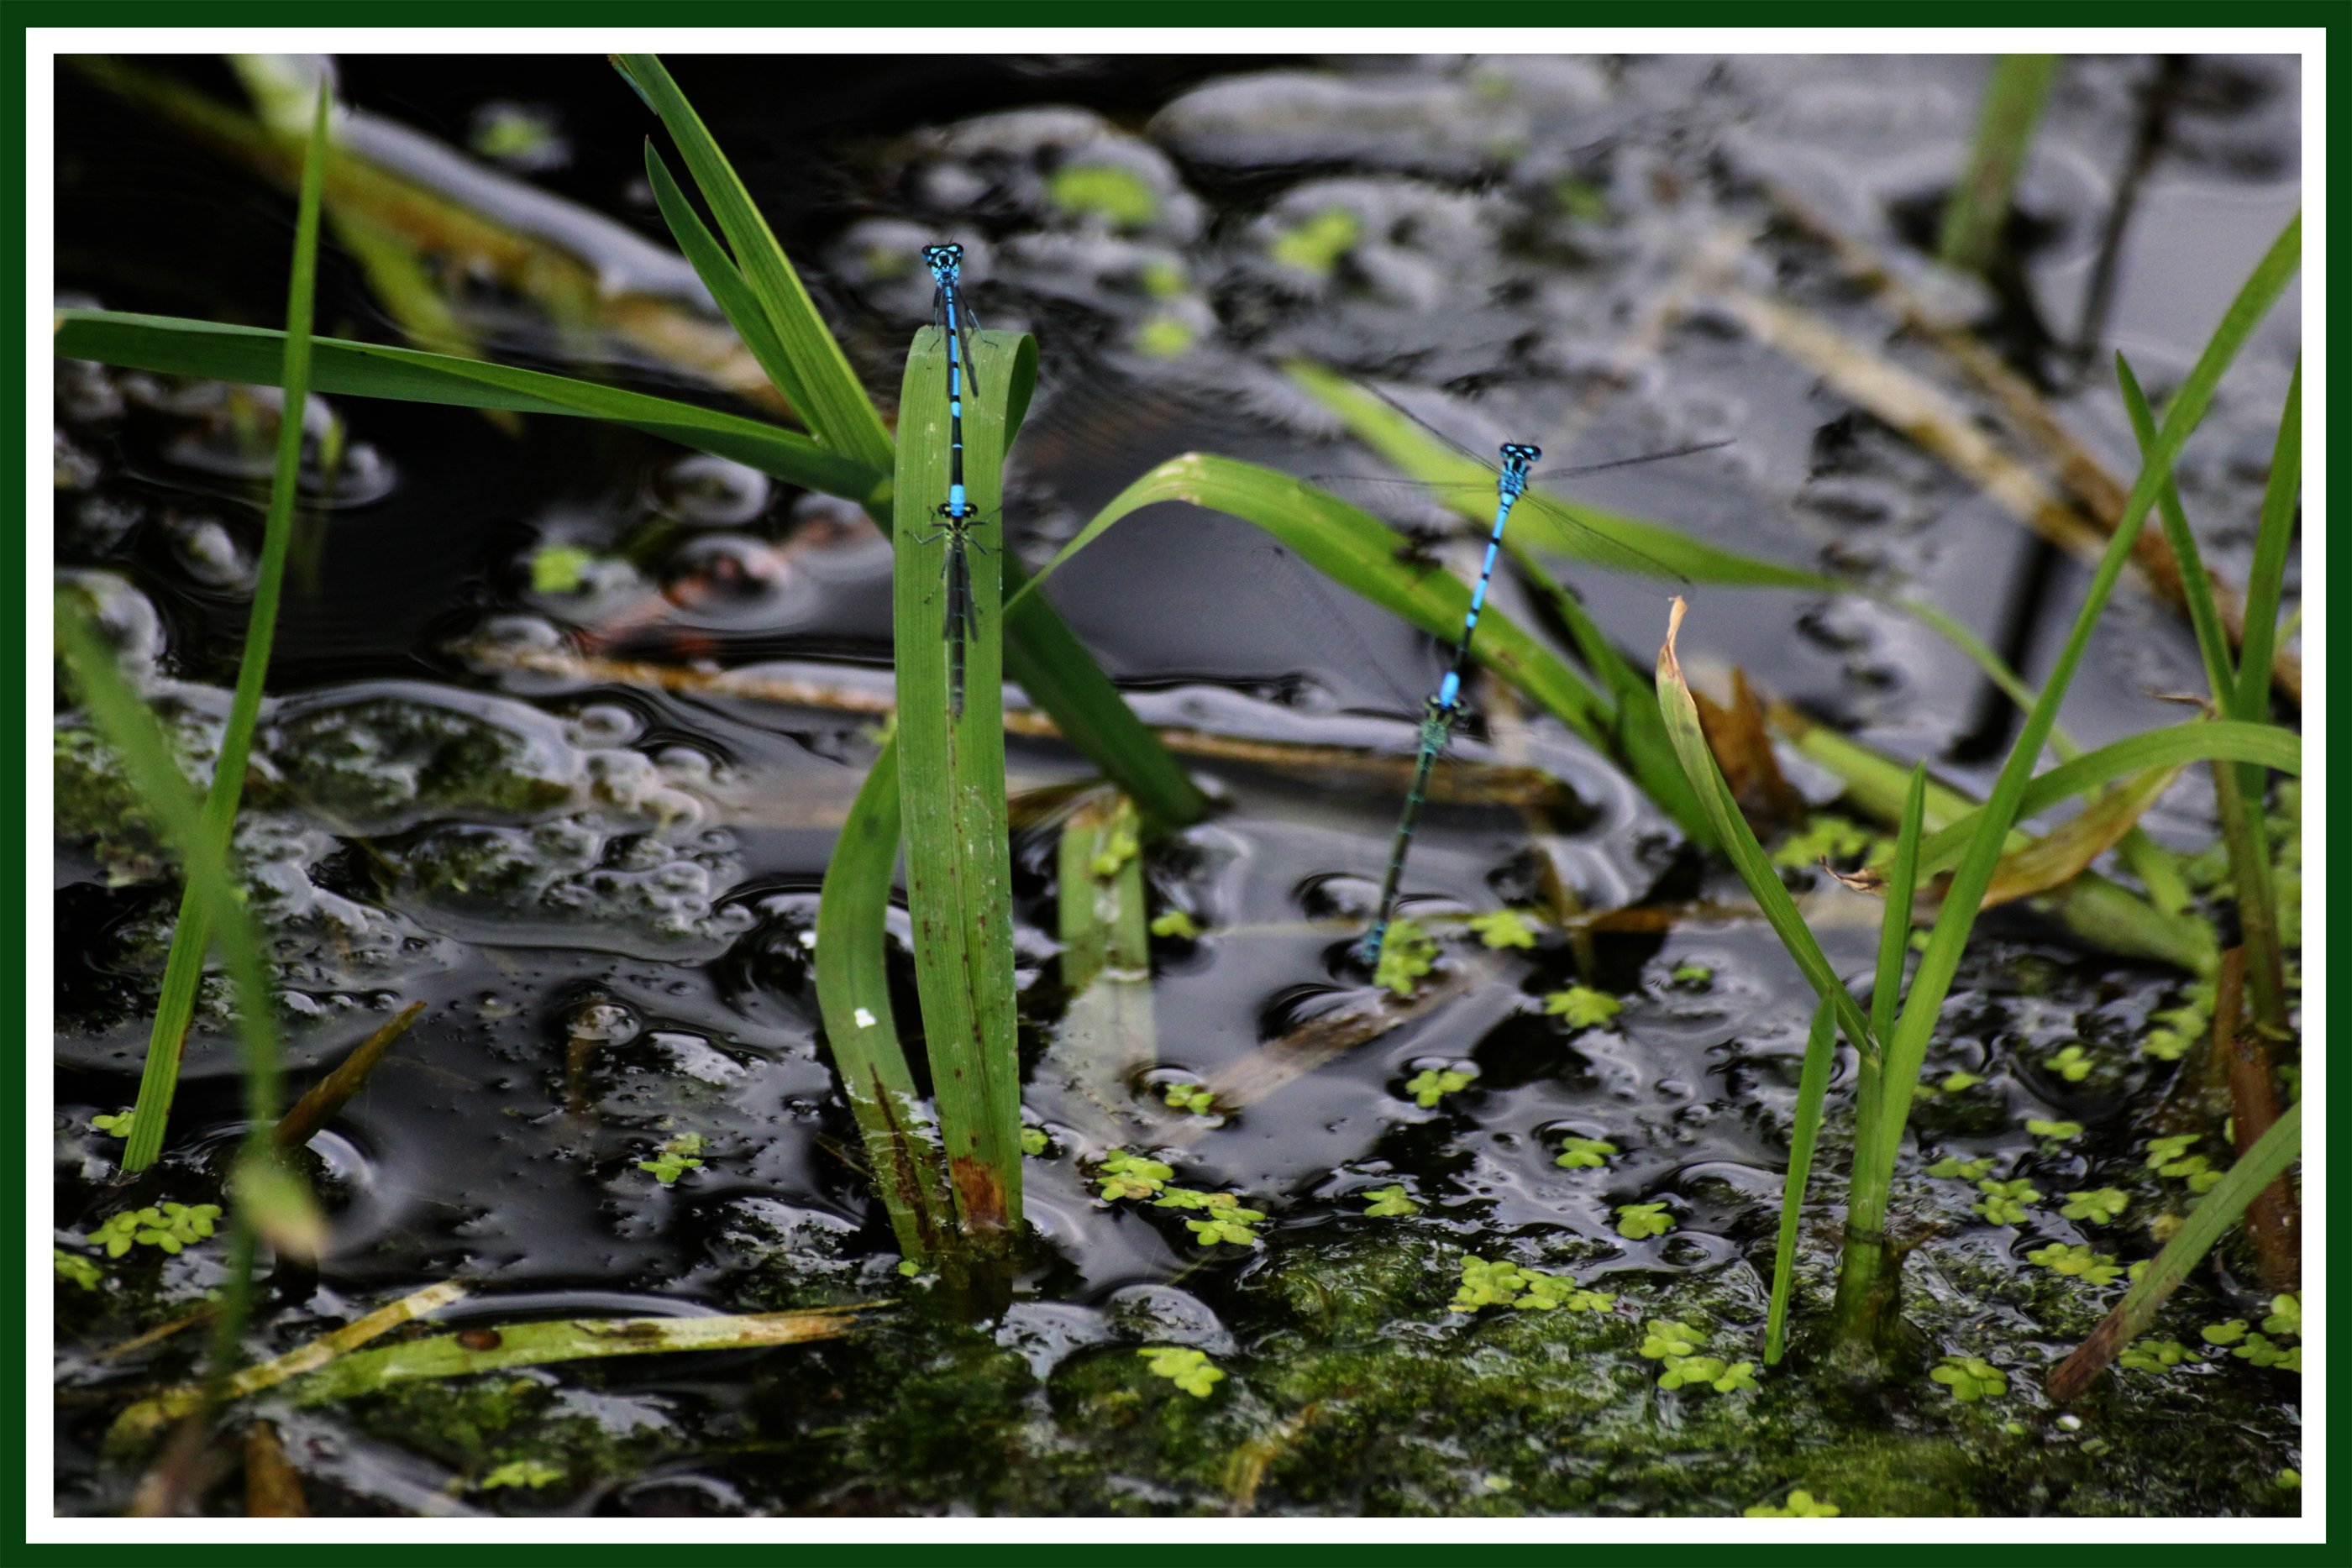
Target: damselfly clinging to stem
959, 518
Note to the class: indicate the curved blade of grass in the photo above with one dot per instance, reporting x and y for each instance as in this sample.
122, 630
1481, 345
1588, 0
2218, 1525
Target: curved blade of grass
2199, 740
150, 1415
1813, 1088
1359, 552
2064, 852
1908, 1051
2196, 585
734, 297
2103, 914
132, 732
2264, 1163
1419, 455
1863, 1259
1107, 1036
831, 399
1738, 842
853, 992
183, 969
255, 356
2258, 909
565, 1339
952, 774
1979, 207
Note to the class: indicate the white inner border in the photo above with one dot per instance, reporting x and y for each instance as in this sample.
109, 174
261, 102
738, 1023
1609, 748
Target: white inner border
44, 45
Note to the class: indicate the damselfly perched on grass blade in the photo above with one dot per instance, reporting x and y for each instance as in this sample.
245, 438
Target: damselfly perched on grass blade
959, 518
1445, 709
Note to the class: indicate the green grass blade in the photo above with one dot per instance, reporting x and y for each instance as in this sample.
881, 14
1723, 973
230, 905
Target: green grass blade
132, 730
2258, 909
1813, 1088
1107, 1036
183, 969
1908, 1051
853, 992
1419, 455
1359, 552
2221, 1209
831, 400
2196, 586
2199, 740
952, 778
1895, 927
1738, 842
1863, 1256
255, 356
1980, 202
734, 297
566, 1338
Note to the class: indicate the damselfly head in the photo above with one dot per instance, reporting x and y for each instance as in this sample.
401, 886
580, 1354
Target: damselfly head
1521, 456
943, 259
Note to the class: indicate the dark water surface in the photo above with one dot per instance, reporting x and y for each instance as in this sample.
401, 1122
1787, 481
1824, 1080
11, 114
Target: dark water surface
600, 889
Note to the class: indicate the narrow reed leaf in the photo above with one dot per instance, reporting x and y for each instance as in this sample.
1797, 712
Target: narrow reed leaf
132, 732
1419, 455
2266, 579
183, 969
565, 1339
149, 1416
2197, 586
1908, 1051
254, 355
310, 1113
1738, 842
734, 297
1813, 1088
853, 991
2221, 1209
2250, 854
833, 403
1107, 1036
952, 771
1894, 925
1359, 552
1979, 206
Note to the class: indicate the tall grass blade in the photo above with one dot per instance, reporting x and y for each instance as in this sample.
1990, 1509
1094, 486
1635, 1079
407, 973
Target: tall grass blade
255, 356
831, 399
1107, 1036
2258, 909
2199, 740
1359, 552
137, 739
2264, 1163
951, 774
1908, 1051
1862, 1265
183, 969
853, 991
1813, 1088
734, 297
1419, 455
1979, 207
1738, 842
2197, 586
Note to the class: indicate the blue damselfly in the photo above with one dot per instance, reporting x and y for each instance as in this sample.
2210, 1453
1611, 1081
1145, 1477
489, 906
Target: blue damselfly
959, 518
